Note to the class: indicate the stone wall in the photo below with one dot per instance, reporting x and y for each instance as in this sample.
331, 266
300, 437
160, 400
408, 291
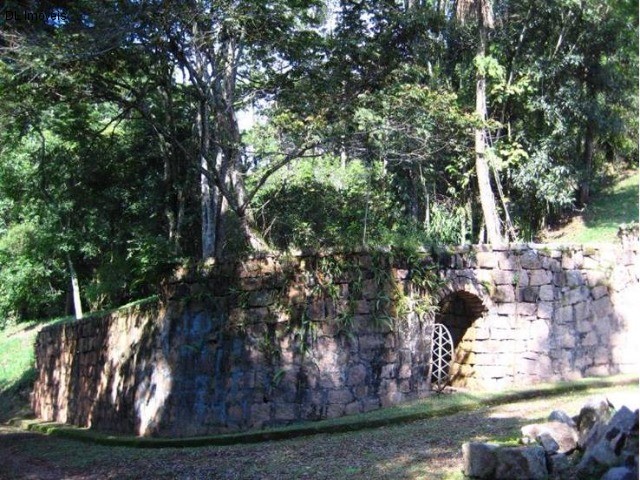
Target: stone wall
552, 313
276, 340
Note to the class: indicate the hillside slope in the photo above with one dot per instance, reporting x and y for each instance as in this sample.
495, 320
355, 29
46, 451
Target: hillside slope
599, 221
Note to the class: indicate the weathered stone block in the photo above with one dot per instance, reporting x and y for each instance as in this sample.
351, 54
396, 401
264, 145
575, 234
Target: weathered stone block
504, 294
547, 293
577, 294
601, 307
552, 264
558, 464
510, 261
479, 460
567, 261
486, 260
261, 298
602, 356
599, 292
584, 326
502, 277
335, 410
370, 289
539, 330
404, 371
356, 375
562, 417
591, 263
582, 311
521, 463
526, 309
388, 371
507, 309
564, 436
621, 473
342, 396
353, 408
540, 277
597, 277
368, 342
564, 314
530, 260
605, 328
574, 278
598, 371
528, 294
566, 340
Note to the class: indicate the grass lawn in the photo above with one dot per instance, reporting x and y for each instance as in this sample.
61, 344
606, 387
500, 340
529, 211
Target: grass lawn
427, 449
16, 368
600, 220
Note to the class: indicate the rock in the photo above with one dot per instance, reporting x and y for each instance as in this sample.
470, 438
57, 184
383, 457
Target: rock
521, 463
562, 417
547, 442
479, 459
558, 463
621, 473
565, 436
594, 414
611, 445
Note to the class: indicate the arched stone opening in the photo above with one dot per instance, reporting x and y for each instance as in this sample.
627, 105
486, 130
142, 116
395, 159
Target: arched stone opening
458, 312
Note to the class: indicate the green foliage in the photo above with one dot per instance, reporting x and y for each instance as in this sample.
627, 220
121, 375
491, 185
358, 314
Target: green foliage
30, 279
365, 132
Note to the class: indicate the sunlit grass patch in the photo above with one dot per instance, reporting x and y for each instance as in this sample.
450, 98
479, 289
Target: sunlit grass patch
601, 218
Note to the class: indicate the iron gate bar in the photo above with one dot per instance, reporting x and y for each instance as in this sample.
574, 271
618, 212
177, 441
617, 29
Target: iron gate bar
441, 356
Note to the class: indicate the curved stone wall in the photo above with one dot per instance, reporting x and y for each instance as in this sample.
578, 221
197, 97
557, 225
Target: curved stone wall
273, 340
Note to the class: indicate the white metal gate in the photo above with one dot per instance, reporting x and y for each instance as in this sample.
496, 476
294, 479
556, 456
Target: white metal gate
441, 357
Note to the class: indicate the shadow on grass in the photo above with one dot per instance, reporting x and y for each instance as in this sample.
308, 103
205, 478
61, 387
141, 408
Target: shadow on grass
429, 448
14, 397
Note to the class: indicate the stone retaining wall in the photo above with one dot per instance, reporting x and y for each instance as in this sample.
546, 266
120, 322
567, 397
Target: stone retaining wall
273, 340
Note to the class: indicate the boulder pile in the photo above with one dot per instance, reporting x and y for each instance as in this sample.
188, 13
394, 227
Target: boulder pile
601, 442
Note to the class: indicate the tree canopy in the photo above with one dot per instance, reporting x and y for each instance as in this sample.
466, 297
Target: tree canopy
125, 147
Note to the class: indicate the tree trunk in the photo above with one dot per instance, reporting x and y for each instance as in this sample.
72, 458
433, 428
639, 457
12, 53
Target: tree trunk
588, 153
209, 217
487, 198
75, 289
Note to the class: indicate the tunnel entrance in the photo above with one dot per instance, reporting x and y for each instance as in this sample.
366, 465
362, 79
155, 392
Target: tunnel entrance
452, 339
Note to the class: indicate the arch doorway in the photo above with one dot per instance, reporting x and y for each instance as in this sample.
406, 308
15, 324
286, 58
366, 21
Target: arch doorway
452, 342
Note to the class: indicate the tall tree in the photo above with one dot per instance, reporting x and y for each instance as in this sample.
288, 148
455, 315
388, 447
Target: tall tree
220, 53
483, 12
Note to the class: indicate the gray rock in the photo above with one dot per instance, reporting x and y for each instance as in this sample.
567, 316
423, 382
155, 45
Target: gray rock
558, 463
590, 468
479, 459
621, 473
624, 420
564, 435
562, 417
611, 445
593, 416
547, 442
521, 463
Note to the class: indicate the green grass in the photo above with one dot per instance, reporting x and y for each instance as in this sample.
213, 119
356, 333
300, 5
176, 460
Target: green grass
427, 449
16, 368
601, 218
429, 408
17, 362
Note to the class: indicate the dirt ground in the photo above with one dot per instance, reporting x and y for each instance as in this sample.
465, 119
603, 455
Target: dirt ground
428, 449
